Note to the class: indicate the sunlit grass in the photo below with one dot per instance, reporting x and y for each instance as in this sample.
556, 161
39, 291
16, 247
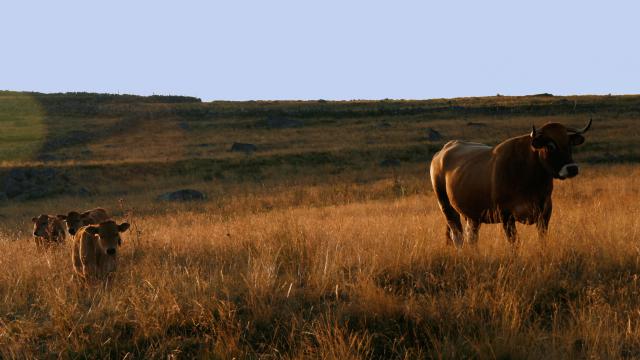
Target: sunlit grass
22, 128
345, 278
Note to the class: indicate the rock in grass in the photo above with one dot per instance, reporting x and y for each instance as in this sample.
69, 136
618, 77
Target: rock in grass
433, 135
476, 124
281, 122
390, 163
243, 147
182, 195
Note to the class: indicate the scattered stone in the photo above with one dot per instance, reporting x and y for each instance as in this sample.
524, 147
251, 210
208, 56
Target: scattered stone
244, 147
384, 125
433, 135
184, 125
390, 163
47, 157
182, 195
82, 191
476, 124
278, 122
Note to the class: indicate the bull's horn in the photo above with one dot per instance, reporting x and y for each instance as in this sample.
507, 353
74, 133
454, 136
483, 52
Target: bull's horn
583, 130
533, 131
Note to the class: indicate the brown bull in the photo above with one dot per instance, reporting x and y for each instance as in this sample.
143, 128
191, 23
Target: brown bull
509, 182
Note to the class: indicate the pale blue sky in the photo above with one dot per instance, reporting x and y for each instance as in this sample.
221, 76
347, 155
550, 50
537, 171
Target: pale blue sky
240, 50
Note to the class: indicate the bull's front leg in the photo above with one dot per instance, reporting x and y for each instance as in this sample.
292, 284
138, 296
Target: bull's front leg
471, 231
509, 226
543, 220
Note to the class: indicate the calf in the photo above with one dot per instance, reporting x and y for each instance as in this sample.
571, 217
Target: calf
76, 220
47, 230
95, 249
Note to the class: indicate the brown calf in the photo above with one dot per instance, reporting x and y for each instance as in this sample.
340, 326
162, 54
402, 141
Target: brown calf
95, 249
76, 220
48, 229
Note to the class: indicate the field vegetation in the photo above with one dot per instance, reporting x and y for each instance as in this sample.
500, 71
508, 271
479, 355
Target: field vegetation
326, 242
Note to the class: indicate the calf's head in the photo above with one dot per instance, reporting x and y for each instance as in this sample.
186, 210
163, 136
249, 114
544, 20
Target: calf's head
75, 221
40, 225
108, 234
43, 224
553, 143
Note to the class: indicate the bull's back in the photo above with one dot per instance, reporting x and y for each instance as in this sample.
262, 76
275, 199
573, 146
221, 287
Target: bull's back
464, 168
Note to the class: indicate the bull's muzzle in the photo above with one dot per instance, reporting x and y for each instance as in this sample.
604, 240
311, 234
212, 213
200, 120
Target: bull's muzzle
568, 171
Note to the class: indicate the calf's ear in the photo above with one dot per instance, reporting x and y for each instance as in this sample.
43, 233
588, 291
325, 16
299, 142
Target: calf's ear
123, 227
576, 139
34, 219
62, 217
93, 230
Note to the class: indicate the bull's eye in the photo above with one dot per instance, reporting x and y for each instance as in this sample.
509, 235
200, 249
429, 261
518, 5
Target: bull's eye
551, 146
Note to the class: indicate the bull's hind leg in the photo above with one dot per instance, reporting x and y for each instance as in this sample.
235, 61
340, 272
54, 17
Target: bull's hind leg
454, 226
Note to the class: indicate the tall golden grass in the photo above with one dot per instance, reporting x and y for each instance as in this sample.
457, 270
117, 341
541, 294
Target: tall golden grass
323, 272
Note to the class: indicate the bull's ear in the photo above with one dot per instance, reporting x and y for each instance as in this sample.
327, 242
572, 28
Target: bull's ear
538, 142
34, 219
123, 227
62, 217
576, 139
93, 230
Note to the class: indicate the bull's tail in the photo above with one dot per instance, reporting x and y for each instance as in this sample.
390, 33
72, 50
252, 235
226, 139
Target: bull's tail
454, 226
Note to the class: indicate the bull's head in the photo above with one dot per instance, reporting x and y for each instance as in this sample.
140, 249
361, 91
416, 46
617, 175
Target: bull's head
108, 234
553, 143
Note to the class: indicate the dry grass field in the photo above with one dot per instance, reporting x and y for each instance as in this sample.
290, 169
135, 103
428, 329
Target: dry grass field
311, 249
355, 279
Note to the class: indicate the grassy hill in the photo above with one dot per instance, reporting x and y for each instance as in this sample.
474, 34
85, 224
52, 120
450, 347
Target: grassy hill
326, 242
120, 141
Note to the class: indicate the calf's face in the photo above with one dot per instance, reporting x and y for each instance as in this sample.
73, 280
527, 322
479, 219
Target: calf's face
74, 221
108, 234
40, 225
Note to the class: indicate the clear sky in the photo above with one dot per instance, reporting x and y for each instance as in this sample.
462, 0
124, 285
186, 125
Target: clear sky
238, 50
